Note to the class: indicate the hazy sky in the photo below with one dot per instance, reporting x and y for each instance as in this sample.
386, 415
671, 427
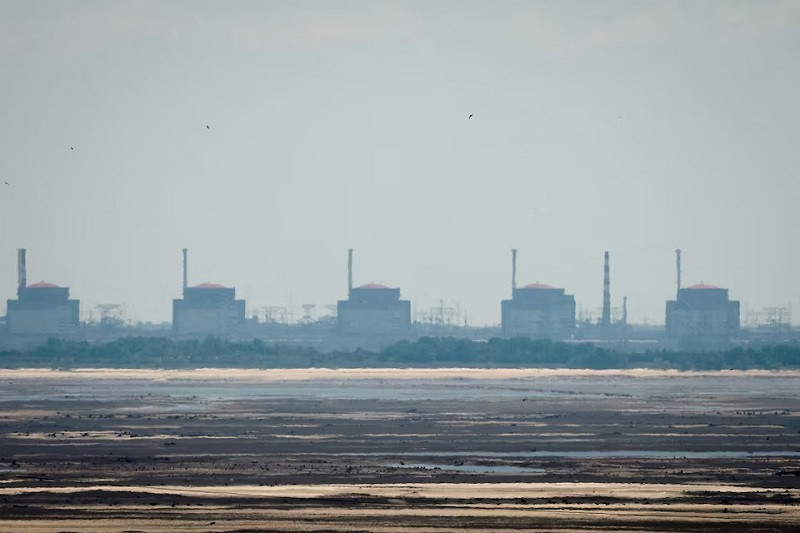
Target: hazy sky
633, 127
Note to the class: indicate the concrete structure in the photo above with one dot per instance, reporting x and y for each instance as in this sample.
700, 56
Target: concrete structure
537, 311
41, 309
701, 318
207, 309
372, 311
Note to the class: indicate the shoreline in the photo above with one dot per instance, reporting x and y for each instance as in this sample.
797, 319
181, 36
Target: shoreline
314, 374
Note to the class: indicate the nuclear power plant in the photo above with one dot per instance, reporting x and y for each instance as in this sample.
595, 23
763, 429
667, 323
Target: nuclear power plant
537, 310
207, 309
702, 317
41, 309
372, 311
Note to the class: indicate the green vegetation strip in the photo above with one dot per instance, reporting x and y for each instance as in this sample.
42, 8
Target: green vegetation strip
148, 352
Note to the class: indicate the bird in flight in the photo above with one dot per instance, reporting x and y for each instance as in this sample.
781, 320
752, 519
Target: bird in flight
71, 148
469, 117
5, 182
208, 127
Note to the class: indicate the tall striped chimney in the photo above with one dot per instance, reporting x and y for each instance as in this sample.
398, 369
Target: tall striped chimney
678, 267
606, 319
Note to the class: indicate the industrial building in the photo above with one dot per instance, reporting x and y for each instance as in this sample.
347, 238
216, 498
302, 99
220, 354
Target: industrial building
701, 318
372, 311
537, 310
42, 309
207, 309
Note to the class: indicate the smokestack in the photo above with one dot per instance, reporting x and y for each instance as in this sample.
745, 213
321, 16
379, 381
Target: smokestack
678, 266
22, 281
513, 270
606, 320
185, 270
624, 310
349, 271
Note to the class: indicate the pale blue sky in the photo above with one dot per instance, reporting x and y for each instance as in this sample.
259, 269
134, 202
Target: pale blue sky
634, 127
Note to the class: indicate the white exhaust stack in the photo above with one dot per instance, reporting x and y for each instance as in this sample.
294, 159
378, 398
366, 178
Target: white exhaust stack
22, 281
513, 270
349, 271
185, 269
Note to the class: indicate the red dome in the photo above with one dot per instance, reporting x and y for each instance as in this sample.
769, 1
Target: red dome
209, 286
701, 286
43, 285
537, 285
373, 285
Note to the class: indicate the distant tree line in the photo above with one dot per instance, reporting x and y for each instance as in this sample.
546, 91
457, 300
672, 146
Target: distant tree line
149, 352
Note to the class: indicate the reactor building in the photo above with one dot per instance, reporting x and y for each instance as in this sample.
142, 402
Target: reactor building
537, 310
206, 309
372, 311
701, 318
41, 308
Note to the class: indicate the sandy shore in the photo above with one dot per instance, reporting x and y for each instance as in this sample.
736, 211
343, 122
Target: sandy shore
302, 374
398, 450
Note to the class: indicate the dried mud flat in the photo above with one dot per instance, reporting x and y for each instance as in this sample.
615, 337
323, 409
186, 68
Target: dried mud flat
318, 450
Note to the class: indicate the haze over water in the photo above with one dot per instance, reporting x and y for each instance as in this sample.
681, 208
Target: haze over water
634, 127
